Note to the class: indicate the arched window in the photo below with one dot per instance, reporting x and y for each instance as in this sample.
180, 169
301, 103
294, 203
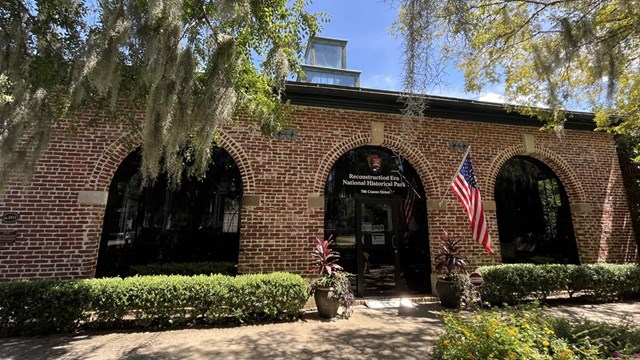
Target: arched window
375, 209
534, 219
199, 221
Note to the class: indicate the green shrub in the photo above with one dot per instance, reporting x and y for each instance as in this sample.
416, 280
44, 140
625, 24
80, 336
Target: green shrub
510, 283
514, 282
599, 280
192, 268
605, 281
528, 334
591, 337
46, 306
109, 301
499, 335
629, 280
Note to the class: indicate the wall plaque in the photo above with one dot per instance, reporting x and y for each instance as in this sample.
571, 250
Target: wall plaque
8, 235
10, 217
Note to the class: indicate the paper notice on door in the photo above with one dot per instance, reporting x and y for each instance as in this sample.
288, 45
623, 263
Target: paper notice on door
377, 239
366, 226
378, 227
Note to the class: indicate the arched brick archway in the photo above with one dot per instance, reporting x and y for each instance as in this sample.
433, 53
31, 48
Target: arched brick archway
529, 226
241, 159
113, 156
555, 162
116, 153
403, 223
391, 142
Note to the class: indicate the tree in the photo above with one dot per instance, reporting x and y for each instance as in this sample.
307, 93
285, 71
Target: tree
190, 64
551, 55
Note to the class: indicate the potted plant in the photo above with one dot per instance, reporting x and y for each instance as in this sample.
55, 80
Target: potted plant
332, 289
449, 261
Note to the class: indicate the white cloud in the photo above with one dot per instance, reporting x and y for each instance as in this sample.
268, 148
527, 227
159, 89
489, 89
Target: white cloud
492, 97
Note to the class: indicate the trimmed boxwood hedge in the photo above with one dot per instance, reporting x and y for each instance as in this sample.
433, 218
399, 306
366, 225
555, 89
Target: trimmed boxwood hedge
510, 283
192, 268
48, 306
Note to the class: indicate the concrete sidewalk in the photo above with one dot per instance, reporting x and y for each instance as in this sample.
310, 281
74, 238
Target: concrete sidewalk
369, 334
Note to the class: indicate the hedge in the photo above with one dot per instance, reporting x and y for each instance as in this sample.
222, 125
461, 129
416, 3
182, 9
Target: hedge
192, 268
48, 306
510, 283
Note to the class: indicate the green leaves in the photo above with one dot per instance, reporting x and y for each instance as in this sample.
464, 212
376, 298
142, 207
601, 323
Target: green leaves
48, 306
527, 333
192, 65
553, 54
511, 283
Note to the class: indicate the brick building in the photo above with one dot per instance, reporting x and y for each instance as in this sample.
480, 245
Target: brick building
547, 198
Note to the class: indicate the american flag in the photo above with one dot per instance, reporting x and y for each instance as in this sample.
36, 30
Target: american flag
465, 187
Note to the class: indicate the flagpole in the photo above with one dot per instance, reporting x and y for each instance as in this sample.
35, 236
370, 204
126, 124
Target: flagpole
410, 186
466, 153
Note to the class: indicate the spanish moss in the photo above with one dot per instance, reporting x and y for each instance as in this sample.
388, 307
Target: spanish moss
188, 66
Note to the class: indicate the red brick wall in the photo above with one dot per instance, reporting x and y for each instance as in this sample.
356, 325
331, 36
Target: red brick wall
57, 237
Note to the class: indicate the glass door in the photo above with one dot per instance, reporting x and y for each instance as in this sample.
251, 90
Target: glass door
377, 247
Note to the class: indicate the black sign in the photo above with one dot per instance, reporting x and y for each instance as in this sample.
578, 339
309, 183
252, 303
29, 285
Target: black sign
374, 184
8, 235
10, 217
370, 171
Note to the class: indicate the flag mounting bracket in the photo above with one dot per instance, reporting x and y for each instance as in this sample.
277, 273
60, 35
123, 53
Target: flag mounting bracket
456, 145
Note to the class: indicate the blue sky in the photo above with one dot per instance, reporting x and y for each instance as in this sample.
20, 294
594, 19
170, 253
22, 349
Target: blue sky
372, 50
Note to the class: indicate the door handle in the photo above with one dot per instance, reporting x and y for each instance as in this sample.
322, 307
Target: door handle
394, 241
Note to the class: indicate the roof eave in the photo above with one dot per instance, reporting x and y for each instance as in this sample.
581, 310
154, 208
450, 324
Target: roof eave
359, 99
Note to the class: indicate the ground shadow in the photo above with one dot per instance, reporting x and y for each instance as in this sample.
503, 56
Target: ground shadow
368, 334
385, 333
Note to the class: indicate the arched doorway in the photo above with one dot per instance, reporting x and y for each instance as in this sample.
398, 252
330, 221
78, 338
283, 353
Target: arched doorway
200, 221
375, 209
534, 219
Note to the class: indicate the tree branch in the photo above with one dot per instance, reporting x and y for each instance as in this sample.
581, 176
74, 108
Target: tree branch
219, 38
24, 8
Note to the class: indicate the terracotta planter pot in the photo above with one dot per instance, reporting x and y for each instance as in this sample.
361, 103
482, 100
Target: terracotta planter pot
326, 304
448, 294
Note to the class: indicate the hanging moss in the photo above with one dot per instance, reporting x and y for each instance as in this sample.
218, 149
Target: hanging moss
189, 65
544, 57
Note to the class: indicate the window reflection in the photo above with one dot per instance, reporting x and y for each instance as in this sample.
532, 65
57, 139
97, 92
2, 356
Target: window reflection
197, 222
331, 78
328, 55
534, 219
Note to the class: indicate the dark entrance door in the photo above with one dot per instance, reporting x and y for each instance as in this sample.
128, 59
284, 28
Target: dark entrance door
375, 211
377, 246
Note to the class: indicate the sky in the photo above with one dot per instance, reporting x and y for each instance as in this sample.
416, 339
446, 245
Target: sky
374, 51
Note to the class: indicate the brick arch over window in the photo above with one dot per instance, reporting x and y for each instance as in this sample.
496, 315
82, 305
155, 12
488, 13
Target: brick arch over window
422, 167
111, 159
242, 161
113, 156
555, 162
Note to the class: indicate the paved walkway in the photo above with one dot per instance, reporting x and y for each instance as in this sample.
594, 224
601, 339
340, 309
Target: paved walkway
369, 334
